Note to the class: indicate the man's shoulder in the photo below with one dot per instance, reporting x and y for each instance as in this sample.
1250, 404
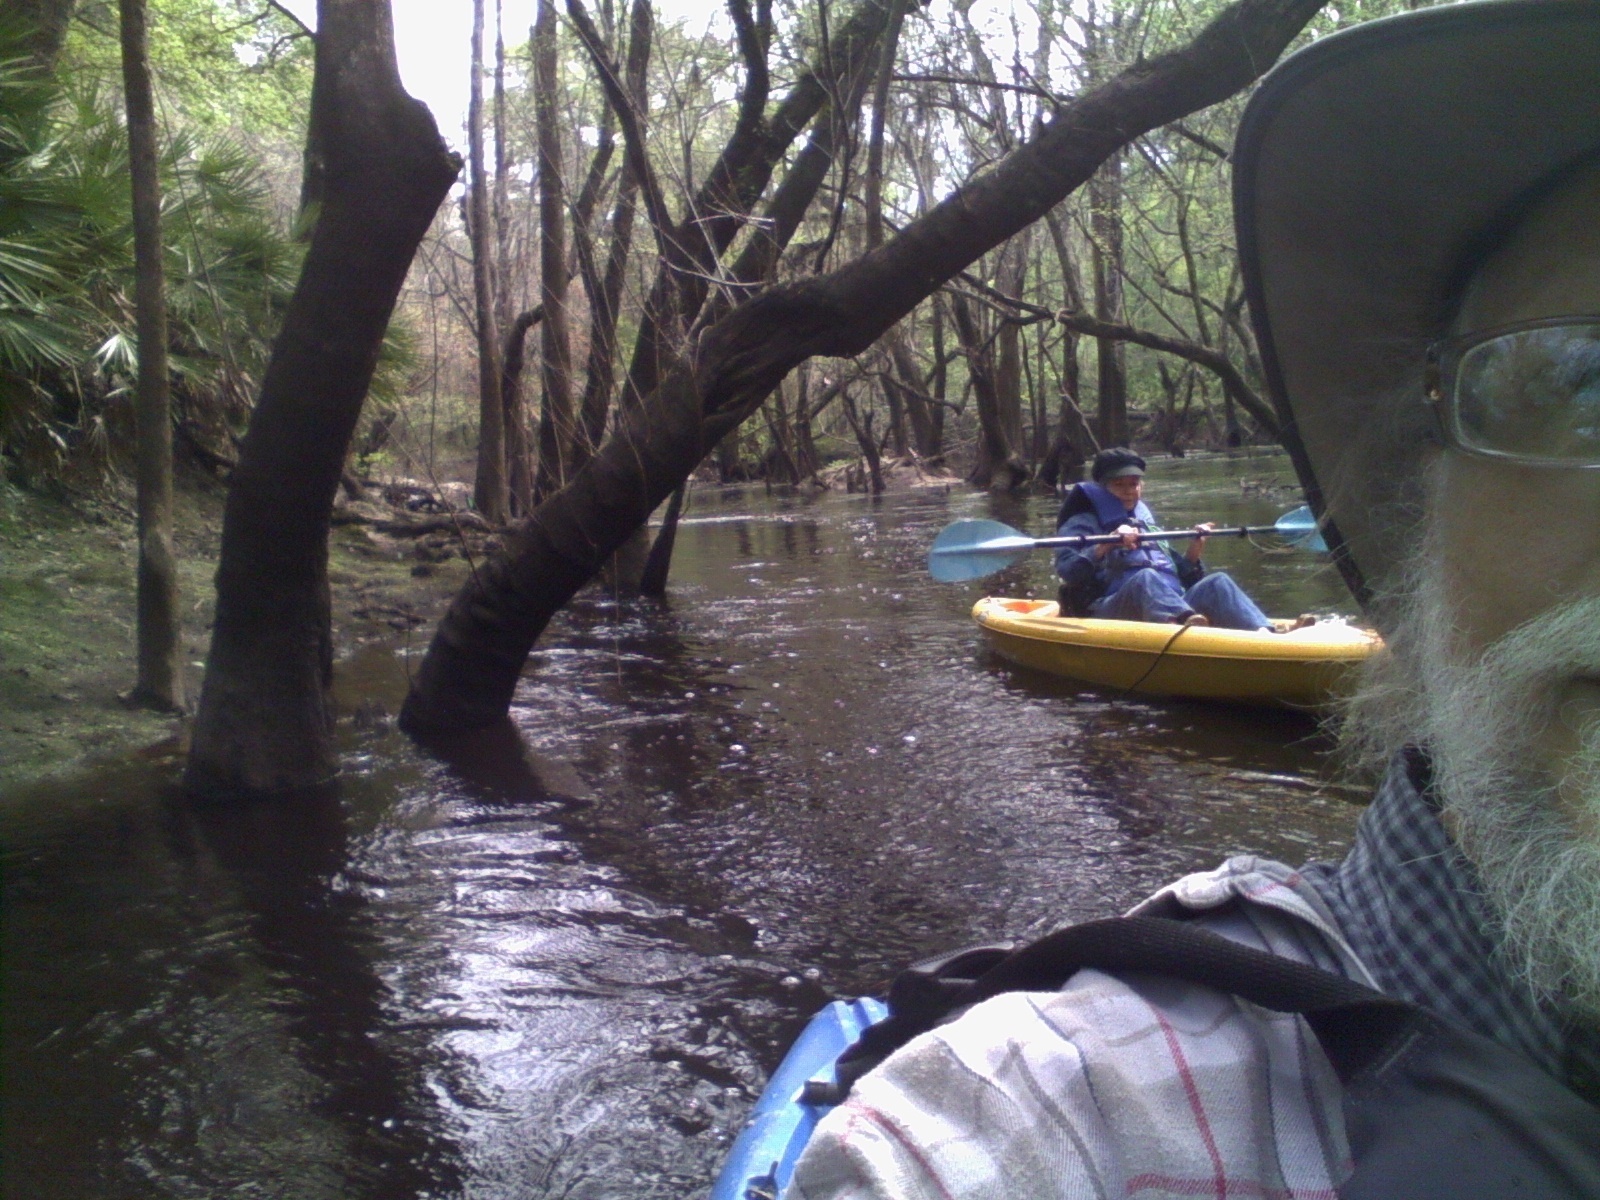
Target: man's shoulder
1112, 1083
1264, 904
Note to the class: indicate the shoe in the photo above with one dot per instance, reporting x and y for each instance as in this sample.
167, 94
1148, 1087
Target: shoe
1303, 621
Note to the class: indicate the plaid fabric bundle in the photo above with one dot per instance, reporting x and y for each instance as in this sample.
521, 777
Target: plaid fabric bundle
1150, 1087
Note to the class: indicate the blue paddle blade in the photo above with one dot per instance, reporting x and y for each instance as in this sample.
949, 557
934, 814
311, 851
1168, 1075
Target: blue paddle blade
972, 549
1300, 527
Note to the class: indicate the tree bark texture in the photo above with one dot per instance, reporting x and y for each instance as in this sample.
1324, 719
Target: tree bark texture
557, 425
491, 487
160, 672
265, 723
470, 673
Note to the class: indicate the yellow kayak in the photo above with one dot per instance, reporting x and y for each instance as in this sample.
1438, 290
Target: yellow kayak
1299, 668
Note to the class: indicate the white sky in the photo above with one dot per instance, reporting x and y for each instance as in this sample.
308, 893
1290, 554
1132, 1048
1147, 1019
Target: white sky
432, 39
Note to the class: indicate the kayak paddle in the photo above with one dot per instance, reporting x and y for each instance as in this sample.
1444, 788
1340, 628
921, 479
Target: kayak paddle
972, 549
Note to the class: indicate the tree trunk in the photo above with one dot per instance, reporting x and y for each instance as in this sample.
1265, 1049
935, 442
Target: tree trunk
265, 722
47, 20
807, 460
514, 412
1105, 219
653, 581
605, 299
513, 356
998, 465
1074, 442
861, 426
938, 384
160, 678
557, 429
491, 490
1012, 280
917, 408
873, 204
471, 670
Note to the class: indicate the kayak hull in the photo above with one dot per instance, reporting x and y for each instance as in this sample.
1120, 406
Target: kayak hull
1302, 668
764, 1154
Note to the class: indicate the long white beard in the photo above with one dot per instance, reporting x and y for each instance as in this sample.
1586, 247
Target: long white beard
1531, 835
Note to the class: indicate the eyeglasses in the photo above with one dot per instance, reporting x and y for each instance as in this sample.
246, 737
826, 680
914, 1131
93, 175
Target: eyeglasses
1527, 393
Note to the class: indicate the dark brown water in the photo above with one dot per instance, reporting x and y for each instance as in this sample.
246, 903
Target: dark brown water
560, 964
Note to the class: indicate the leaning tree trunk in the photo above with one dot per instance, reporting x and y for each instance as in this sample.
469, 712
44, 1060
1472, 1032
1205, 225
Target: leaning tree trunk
471, 670
380, 171
160, 679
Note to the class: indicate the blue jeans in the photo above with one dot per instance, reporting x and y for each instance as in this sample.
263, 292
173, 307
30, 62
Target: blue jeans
1151, 595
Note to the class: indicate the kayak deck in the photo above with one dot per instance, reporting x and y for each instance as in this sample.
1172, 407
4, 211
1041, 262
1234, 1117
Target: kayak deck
1299, 668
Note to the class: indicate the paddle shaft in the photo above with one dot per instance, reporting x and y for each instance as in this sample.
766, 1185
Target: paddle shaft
1106, 539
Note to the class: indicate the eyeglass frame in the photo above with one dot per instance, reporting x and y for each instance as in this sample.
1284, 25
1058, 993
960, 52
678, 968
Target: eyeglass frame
1445, 355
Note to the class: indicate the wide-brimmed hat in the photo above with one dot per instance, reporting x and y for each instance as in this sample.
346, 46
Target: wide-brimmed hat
1373, 170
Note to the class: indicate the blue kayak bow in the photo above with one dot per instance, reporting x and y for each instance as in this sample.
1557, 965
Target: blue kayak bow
972, 549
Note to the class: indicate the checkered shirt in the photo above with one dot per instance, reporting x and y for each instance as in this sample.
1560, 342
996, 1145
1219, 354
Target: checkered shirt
1412, 910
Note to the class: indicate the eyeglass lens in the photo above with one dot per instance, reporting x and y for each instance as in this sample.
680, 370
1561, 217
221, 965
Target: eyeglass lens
1533, 393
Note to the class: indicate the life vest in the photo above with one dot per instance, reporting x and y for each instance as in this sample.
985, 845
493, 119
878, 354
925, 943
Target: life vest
1111, 572
1432, 1112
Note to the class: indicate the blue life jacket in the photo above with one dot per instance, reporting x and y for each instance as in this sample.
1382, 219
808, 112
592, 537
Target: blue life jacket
1111, 572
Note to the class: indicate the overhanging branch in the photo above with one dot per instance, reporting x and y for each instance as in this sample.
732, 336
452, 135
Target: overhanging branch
1212, 359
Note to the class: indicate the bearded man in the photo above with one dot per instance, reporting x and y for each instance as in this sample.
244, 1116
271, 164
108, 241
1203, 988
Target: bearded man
1418, 203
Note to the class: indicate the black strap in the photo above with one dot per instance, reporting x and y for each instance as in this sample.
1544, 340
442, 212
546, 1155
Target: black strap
1432, 1112
1355, 1024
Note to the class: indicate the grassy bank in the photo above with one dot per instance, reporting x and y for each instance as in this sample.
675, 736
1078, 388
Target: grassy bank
67, 618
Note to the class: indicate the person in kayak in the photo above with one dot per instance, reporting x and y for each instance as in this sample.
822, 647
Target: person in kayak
1418, 214
1139, 580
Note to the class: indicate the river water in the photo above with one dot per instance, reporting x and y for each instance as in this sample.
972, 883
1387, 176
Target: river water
560, 963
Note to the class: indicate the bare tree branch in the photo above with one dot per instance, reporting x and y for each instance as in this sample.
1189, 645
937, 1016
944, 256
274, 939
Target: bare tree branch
655, 203
304, 28
1212, 359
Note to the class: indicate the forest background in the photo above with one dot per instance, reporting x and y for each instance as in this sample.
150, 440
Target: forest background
1120, 317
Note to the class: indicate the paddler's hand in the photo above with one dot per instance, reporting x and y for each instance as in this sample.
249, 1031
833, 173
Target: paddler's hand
1130, 541
1198, 546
